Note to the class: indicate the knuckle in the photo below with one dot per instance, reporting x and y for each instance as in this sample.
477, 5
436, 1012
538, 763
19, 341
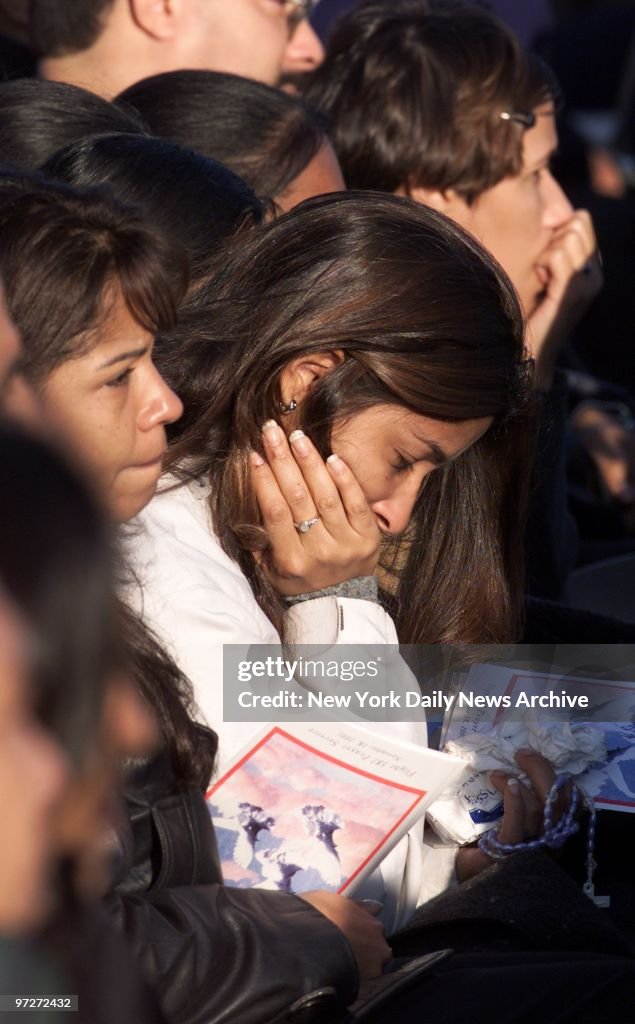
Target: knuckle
298, 495
326, 503
280, 454
276, 513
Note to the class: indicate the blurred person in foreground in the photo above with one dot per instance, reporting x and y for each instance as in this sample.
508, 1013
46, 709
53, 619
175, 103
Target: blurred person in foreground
68, 713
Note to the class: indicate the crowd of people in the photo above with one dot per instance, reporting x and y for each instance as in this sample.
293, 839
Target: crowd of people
285, 358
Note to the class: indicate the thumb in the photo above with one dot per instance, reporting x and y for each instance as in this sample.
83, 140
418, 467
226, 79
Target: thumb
512, 824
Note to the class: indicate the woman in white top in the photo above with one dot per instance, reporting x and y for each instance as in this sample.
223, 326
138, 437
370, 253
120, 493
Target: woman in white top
356, 399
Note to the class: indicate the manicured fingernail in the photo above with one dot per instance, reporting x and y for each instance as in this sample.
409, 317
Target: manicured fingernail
300, 442
273, 431
256, 459
513, 785
335, 462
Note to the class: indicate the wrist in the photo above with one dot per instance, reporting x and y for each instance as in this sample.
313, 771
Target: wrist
361, 588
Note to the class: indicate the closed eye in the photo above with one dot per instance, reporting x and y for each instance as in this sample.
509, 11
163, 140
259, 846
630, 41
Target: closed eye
120, 379
401, 465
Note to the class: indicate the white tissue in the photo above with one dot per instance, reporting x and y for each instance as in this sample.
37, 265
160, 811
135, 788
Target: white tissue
463, 814
570, 746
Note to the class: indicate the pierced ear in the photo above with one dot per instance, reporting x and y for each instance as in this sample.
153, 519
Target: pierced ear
157, 18
303, 373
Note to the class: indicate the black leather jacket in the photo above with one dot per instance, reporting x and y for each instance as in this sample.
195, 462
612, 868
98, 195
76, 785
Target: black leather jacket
216, 954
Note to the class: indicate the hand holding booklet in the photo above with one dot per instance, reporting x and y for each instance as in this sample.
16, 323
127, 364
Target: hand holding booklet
318, 806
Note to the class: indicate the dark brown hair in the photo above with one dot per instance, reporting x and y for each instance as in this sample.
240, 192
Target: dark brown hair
187, 196
38, 118
414, 95
57, 27
64, 256
426, 320
265, 136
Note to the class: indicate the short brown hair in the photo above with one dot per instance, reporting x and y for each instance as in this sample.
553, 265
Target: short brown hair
58, 27
415, 93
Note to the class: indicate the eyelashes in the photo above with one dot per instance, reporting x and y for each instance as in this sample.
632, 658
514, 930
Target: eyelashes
121, 380
401, 465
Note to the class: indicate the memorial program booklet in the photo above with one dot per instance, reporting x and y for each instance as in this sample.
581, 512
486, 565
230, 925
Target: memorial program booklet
318, 806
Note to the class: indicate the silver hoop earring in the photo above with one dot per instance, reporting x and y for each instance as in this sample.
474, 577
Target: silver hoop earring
291, 407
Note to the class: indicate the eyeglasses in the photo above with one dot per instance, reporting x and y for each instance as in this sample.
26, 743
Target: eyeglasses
297, 11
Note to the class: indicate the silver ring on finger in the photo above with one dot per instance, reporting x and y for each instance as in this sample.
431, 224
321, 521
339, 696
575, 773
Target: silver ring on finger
306, 524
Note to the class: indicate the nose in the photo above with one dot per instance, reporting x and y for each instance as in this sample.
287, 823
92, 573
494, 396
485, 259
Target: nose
394, 512
162, 407
557, 208
304, 51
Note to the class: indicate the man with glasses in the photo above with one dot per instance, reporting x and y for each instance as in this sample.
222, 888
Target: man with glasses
107, 45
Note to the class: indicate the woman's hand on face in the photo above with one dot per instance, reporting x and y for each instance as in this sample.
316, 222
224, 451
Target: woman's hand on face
523, 810
573, 276
296, 485
364, 932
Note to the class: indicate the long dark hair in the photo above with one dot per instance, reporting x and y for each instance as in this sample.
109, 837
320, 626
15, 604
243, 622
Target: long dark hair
266, 136
37, 118
427, 320
188, 197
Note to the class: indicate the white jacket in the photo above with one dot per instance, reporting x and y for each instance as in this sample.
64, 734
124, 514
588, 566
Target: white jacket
196, 599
